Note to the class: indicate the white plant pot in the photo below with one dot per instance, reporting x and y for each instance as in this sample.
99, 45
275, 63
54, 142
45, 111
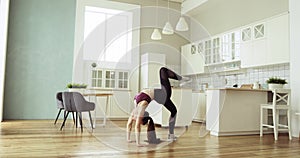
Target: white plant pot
80, 90
275, 86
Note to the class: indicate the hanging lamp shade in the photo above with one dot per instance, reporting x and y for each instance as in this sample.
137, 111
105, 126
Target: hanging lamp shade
156, 35
168, 29
182, 25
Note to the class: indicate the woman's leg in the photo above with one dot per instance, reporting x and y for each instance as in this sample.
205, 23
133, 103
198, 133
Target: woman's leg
163, 95
172, 119
165, 74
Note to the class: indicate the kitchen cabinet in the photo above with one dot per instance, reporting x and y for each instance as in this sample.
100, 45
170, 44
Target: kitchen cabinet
199, 104
192, 61
208, 52
230, 46
150, 66
182, 98
216, 50
253, 46
278, 40
265, 43
212, 50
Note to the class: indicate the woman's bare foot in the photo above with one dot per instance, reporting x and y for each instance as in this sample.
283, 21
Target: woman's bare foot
141, 145
130, 141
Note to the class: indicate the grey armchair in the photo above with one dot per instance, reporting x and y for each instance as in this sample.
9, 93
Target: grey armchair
75, 102
60, 106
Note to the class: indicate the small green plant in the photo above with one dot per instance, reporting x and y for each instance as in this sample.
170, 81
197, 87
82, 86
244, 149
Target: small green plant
276, 80
76, 85
93, 65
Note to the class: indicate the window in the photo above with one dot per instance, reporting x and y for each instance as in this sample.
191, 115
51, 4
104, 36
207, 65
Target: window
107, 35
110, 78
97, 78
123, 79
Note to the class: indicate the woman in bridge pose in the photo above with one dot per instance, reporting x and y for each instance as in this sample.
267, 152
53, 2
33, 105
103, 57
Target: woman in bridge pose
162, 96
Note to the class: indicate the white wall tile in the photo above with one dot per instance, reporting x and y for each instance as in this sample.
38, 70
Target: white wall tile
260, 74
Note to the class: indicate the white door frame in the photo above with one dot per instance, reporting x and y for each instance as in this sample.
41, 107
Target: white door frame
4, 7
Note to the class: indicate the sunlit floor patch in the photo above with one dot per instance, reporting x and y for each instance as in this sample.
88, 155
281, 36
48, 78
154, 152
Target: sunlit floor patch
118, 141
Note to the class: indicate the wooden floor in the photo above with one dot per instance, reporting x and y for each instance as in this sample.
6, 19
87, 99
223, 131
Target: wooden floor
40, 138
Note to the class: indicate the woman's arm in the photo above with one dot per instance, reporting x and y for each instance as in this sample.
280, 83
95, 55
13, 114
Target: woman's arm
129, 127
140, 114
130, 121
138, 132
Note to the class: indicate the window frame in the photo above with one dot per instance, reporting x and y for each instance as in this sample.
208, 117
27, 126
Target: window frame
110, 79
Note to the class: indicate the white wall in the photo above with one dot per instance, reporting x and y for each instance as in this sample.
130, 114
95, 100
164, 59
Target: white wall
4, 7
294, 7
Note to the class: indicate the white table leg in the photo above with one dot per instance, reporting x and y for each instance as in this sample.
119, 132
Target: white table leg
95, 116
105, 111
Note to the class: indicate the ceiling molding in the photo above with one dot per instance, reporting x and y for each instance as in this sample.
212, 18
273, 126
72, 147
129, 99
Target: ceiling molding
178, 1
188, 5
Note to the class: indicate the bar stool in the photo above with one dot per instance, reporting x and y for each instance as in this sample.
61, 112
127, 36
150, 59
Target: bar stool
280, 101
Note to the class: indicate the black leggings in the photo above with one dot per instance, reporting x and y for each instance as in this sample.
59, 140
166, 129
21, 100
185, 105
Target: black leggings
163, 95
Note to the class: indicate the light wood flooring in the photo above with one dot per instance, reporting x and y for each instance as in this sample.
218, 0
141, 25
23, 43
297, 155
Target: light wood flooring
40, 138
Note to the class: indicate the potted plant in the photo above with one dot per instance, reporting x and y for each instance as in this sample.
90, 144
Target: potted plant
276, 82
76, 87
94, 65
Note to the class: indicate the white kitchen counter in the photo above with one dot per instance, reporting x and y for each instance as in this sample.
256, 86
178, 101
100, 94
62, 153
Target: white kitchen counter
234, 111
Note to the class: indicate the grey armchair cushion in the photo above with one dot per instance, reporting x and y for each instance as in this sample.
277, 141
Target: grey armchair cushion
59, 101
74, 101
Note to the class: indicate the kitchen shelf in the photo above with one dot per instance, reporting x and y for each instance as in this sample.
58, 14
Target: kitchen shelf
223, 63
224, 67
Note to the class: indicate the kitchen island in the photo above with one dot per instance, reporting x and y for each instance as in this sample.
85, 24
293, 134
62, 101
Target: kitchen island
234, 111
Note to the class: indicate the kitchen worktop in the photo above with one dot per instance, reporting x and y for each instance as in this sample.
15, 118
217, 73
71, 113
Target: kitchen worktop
239, 89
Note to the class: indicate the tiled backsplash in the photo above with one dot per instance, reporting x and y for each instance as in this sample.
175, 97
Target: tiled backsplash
244, 76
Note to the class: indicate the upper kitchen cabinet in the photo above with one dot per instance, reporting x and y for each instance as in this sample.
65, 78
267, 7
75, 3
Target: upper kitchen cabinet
230, 48
278, 40
253, 45
216, 45
222, 52
192, 60
208, 52
212, 50
265, 43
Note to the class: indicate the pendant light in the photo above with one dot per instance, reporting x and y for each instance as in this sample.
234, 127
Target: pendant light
182, 25
168, 29
156, 34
